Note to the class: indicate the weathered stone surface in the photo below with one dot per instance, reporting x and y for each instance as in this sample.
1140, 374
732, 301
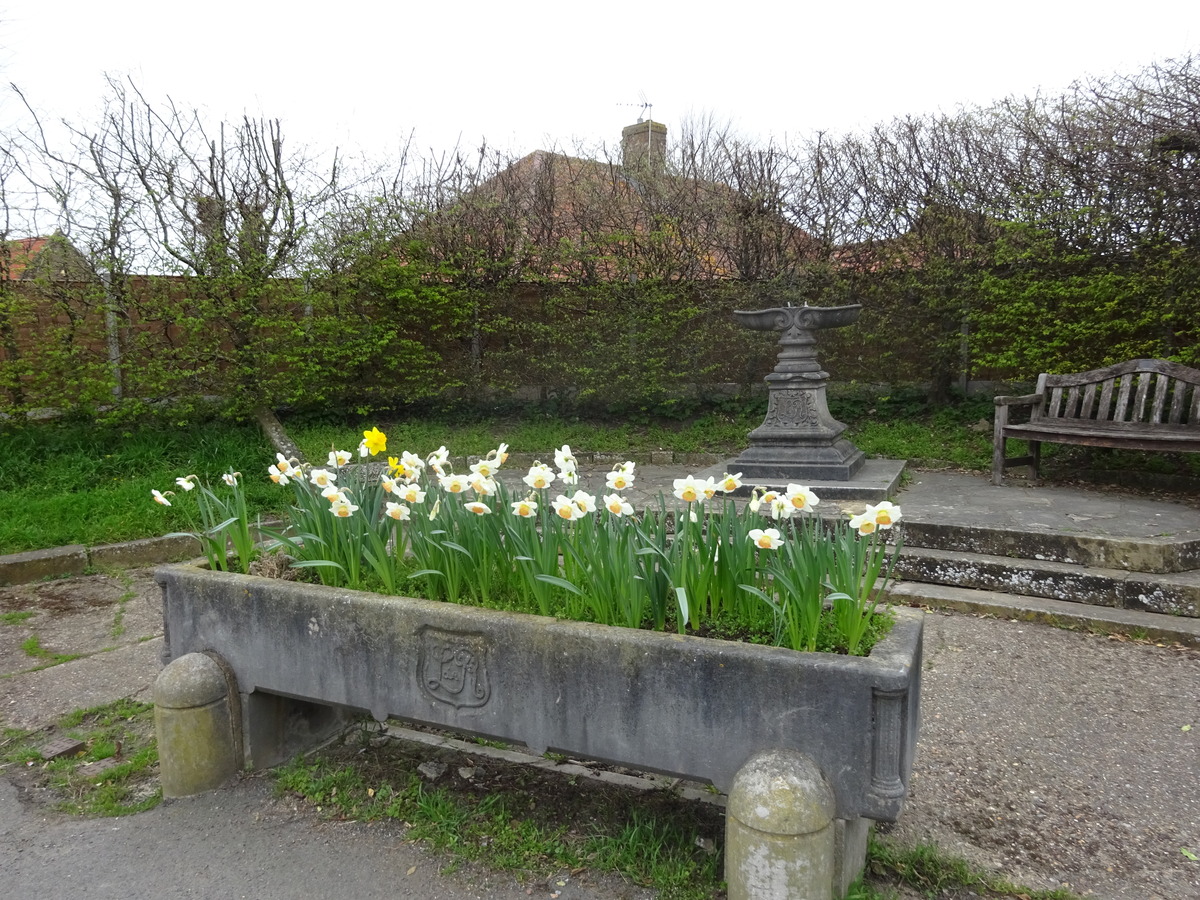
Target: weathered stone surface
34, 565
196, 726
779, 830
681, 705
1175, 593
147, 552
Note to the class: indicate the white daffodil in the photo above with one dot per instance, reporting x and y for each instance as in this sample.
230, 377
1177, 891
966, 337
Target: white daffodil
730, 483
321, 478
485, 468
564, 458
565, 508
766, 538
781, 508
618, 479
285, 465
864, 523
526, 509
186, 483
568, 475
160, 497
388, 484
501, 454
231, 478
363, 450
801, 497
480, 509
411, 462
342, 508
333, 493
708, 487
454, 484
886, 513
339, 458
411, 493
482, 486
439, 457
397, 511
277, 475
758, 500
585, 501
617, 505
689, 489
539, 477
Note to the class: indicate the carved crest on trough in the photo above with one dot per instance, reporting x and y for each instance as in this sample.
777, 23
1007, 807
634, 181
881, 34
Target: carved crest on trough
453, 667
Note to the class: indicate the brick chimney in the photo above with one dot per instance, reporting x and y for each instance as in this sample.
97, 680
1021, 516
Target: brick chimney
644, 144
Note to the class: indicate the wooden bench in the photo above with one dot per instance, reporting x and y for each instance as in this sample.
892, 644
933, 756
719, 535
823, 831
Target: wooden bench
1144, 404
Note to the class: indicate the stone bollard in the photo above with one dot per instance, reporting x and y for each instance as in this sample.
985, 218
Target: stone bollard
196, 721
779, 830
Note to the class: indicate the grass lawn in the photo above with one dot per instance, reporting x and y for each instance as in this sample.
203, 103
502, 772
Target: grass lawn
72, 483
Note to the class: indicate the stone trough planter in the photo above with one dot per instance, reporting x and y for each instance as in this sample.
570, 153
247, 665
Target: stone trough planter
298, 655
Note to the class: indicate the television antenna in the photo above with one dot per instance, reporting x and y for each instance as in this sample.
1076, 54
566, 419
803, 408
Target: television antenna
646, 107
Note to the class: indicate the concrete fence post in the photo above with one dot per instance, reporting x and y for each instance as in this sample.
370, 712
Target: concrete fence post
779, 830
198, 726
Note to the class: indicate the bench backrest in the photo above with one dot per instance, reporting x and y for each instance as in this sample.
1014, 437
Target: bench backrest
1141, 391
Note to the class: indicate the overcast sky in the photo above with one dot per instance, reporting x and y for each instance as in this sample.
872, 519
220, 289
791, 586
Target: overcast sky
533, 74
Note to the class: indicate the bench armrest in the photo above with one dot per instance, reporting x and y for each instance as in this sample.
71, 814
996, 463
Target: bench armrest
1023, 400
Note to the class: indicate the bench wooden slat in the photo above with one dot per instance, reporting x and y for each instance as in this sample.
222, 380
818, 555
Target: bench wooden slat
1162, 382
1178, 403
1138, 413
1071, 410
1087, 406
1105, 411
1055, 406
1121, 410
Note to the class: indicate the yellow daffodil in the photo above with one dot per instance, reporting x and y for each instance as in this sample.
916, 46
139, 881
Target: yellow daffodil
375, 441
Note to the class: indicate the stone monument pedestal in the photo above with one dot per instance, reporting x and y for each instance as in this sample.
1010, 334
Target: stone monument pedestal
799, 441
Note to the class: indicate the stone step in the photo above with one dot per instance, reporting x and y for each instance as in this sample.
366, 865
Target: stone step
1060, 613
1155, 554
1176, 593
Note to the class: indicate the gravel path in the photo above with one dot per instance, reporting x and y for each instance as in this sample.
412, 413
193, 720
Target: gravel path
1059, 759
